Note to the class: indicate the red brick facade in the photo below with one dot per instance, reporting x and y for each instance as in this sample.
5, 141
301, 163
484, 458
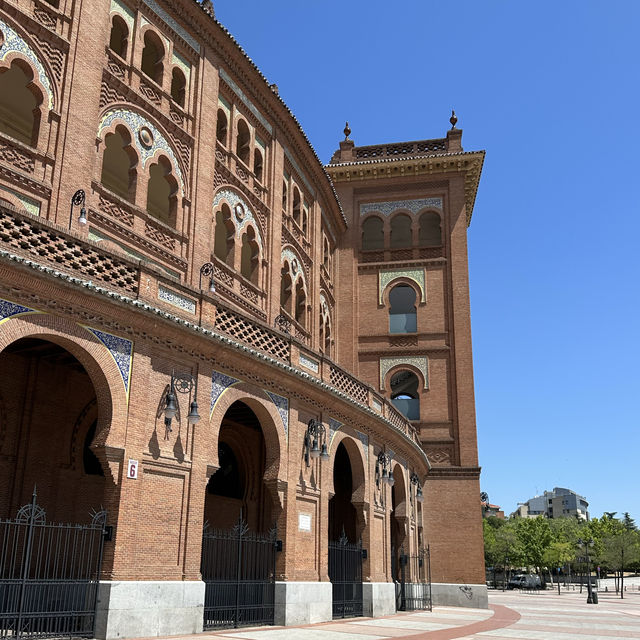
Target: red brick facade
196, 174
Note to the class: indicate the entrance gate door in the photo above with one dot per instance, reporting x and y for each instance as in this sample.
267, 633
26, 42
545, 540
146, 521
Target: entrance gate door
49, 575
345, 573
238, 568
416, 594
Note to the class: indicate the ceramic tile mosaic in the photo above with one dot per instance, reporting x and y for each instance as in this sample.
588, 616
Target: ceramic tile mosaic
121, 351
387, 276
219, 384
419, 362
282, 405
387, 208
177, 300
11, 309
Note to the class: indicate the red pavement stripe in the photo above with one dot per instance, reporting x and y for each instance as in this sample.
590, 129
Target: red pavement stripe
502, 617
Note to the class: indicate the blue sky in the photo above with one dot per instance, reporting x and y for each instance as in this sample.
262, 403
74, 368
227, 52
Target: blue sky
550, 90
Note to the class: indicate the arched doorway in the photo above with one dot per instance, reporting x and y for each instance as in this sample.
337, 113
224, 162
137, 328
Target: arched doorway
52, 526
399, 521
50, 417
240, 540
345, 546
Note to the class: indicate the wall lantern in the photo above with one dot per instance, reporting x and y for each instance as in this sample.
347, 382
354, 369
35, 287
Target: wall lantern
181, 383
383, 470
206, 270
78, 200
416, 481
315, 442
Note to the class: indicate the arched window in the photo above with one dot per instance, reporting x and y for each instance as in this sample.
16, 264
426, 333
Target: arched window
301, 303
118, 164
178, 86
327, 337
19, 104
243, 142
119, 38
285, 289
285, 190
373, 234
161, 192
257, 165
152, 57
404, 394
400, 231
325, 254
221, 127
305, 218
296, 205
430, 234
224, 236
249, 256
325, 330
402, 309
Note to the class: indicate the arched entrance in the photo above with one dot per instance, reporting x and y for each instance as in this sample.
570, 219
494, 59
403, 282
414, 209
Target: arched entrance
345, 545
49, 414
399, 522
240, 541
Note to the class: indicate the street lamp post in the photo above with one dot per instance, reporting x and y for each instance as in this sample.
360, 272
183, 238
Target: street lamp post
78, 200
592, 598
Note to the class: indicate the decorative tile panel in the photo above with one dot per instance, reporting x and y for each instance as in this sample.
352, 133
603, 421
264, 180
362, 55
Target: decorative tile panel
13, 43
364, 439
176, 299
282, 405
387, 208
165, 17
145, 136
240, 93
11, 309
219, 384
334, 427
377, 405
241, 212
386, 276
121, 351
419, 362
309, 363
125, 12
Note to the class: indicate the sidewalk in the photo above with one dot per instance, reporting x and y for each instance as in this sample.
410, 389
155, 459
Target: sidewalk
511, 616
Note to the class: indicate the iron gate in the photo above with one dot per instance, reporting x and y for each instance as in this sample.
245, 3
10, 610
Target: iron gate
345, 573
413, 592
49, 575
239, 569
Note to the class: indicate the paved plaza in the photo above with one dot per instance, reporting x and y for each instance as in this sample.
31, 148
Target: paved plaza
512, 616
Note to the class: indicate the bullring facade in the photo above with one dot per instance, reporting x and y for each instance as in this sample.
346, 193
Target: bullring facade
206, 333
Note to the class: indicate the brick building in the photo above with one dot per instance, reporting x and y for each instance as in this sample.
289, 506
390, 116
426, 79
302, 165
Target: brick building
201, 325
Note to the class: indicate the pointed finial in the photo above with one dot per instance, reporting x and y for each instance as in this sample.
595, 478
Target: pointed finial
347, 131
453, 119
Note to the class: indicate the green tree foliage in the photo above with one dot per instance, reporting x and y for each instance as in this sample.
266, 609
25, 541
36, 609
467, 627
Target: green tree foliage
628, 522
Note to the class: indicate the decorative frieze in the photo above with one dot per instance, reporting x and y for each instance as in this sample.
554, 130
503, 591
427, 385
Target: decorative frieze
413, 206
167, 19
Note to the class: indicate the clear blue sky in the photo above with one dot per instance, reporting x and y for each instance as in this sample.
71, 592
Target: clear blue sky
551, 91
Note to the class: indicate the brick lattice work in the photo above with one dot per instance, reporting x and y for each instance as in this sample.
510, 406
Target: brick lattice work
349, 385
245, 331
66, 253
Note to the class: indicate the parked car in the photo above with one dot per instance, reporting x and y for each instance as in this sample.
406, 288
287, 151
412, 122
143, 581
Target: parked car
525, 581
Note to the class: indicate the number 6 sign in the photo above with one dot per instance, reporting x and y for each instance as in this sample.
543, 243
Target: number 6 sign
132, 470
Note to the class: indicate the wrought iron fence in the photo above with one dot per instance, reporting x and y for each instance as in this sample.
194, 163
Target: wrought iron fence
345, 573
238, 568
49, 575
413, 591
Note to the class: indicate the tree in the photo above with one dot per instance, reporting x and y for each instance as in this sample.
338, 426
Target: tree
534, 538
558, 554
620, 550
628, 522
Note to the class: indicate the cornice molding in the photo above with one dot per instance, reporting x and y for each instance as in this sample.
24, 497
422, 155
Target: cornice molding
468, 162
150, 310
